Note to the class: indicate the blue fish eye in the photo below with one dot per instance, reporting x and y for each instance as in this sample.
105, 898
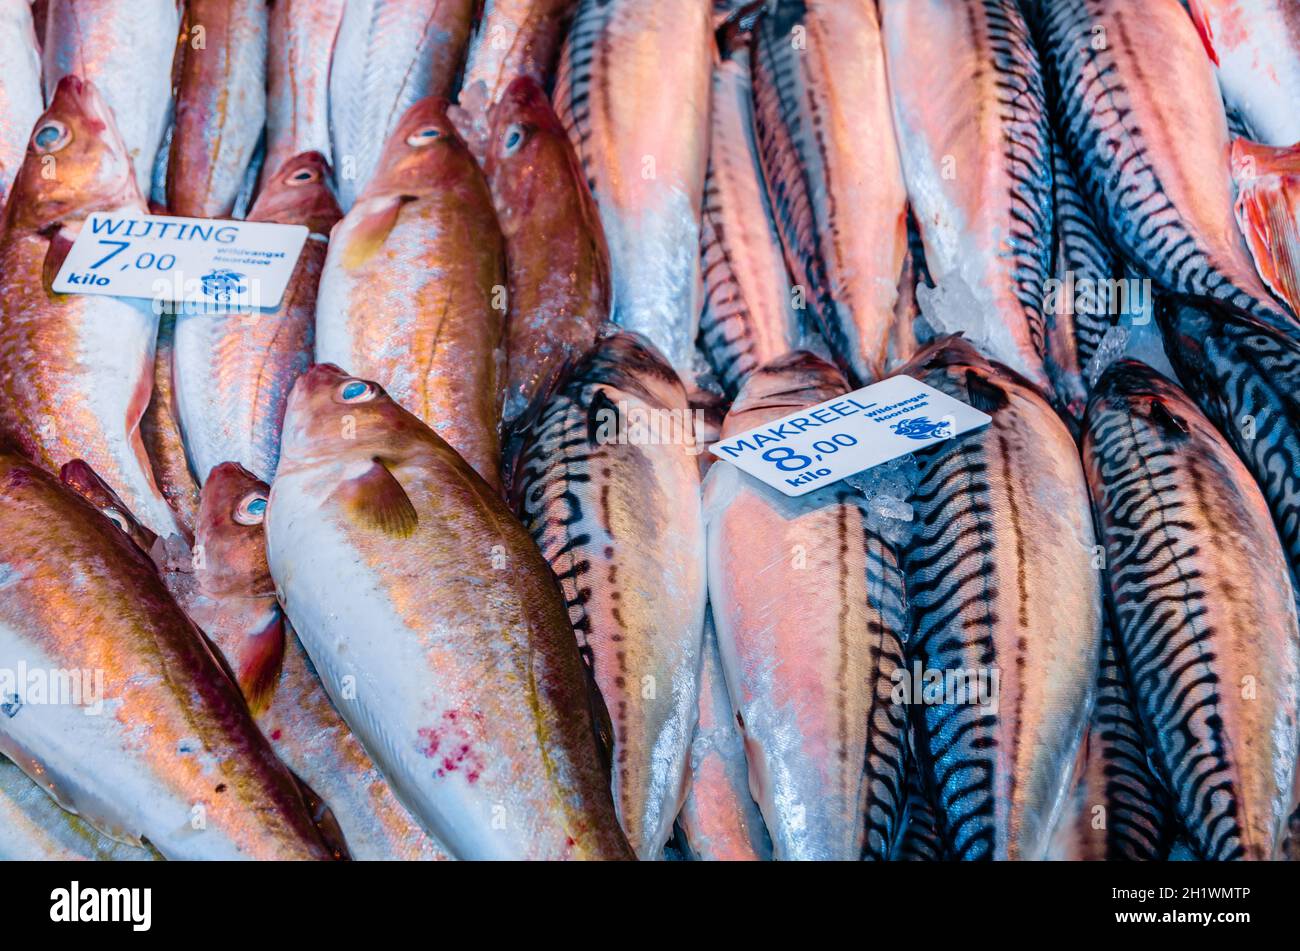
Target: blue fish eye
48, 135
257, 507
354, 389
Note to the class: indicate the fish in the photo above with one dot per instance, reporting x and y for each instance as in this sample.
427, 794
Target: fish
21, 98
234, 603
1006, 605
234, 371
1151, 152
1267, 209
749, 316
301, 32
919, 839
810, 611
413, 292
1075, 322
973, 130
220, 112
150, 740
719, 821
1119, 810
513, 39
558, 263
388, 55
125, 48
1245, 377
449, 653
1255, 48
1204, 610
640, 127
609, 488
76, 371
86, 482
832, 167
34, 828
160, 431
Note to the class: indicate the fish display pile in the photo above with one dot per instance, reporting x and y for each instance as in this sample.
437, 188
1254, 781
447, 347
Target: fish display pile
430, 561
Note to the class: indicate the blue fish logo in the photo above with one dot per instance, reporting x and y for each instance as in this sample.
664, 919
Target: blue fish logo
222, 284
919, 427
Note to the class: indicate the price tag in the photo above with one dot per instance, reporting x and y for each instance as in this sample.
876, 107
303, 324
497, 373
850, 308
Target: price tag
215, 265
824, 443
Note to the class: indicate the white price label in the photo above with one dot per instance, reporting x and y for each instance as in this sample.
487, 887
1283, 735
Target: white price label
209, 263
824, 443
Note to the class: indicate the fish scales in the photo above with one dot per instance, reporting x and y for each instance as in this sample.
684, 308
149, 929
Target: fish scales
617, 516
412, 294
1003, 542
233, 372
1204, 608
388, 55
810, 612
173, 756
720, 821
1150, 144
1116, 784
642, 133
301, 32
450, 655
21, 97
830, 157
1255, 45
971, 115
234, 603
1246, 378
220, 105
76, 370
749, 316
126, 48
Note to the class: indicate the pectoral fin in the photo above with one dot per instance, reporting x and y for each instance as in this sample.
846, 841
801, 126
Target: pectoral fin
1268, 194
377, 500
368, 235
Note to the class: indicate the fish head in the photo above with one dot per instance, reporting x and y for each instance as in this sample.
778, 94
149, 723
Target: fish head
230, 531
782, 386
76, 162
523, 127
334, 416
1133, 389
424, 154
629, 363
299, 194
86, 482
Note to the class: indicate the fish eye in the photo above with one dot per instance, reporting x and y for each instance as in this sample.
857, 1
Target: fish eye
304, 176
356, 391
51, 136
424, 136
117, 518
251, 510
514, 139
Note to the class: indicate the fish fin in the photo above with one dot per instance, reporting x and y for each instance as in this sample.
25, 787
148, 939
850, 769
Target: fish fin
1156, 412
377, 500
983, 394
598, 419
60, 245
602, 726
1197, 9
261, 662
1268, 195
323, 818
370, 233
